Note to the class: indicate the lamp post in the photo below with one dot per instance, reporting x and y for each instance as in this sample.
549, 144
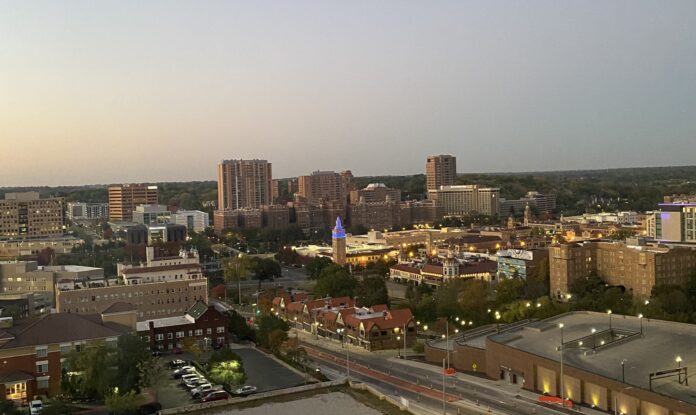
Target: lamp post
609, 312
497, 317
239, 279
561, 325
640, 318
623, 370
447, 342
678, 360
404, 341
444, 404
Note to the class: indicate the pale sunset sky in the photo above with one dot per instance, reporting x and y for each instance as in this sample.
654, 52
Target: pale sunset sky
144, 91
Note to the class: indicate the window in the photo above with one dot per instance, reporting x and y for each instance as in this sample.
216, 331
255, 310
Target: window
65, 348
42, 382
146, 339
179, 334
42, 366
190, 333
79, 347
220, 329
41, 351
199, 332
170, 335
159, 337
209, 331
221, 340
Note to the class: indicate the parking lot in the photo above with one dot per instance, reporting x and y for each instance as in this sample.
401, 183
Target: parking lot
262, 371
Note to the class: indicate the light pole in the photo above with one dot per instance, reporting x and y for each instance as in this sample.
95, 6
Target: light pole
447, 342
623, 370
609, 312
561, 325
444, 404
640, 318
404, 341
239, 279
497, 326
678, 360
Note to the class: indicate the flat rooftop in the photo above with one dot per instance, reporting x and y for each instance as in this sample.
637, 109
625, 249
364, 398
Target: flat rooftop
163, 322
656, 350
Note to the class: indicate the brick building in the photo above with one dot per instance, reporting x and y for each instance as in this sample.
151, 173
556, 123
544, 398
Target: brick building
26, 215
202, 324
124, 198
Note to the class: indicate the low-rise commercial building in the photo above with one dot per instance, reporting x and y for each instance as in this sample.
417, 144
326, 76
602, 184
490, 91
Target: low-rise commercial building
436, 274
151, 214
201, 324
87, 211
618, 364
14, 248
194, 220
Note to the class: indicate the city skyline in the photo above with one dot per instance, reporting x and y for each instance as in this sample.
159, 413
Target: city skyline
502, 86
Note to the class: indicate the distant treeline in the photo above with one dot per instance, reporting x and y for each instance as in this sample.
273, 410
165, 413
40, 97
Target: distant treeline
577, 191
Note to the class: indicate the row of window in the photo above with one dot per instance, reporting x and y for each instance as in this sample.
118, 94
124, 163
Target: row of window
191, 333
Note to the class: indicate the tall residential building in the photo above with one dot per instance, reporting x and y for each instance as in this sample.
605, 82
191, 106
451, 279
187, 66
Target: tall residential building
338, 243
541, 202
244, 184
124, 198
26, 215
440, 171
633, 265
321, 187
466, 200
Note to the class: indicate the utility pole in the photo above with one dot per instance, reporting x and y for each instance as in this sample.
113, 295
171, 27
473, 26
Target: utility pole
444, 402
560, 325
447, 341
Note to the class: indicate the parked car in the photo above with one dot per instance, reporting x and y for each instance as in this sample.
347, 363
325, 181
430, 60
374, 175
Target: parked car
156, 353
198, 392
215, 396
35, 407
189, 376
245, 390
184, 370
175, 364
194, 383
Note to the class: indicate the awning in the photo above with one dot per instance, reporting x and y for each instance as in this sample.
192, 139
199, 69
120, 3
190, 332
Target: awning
15, 377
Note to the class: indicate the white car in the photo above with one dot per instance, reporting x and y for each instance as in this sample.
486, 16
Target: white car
194, 383
189, 377
245, 390
35, 407
195, 392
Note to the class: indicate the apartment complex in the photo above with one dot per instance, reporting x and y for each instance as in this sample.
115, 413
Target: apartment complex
465, 200
124, 198
244, 184
161, 287
440, 171
634, 265
87, 211
324, 187
673, 222
375, 192
201, 324
27, 215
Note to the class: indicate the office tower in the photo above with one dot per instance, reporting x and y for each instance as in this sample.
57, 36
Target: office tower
26, 215
244, 184
440, 171
124, 198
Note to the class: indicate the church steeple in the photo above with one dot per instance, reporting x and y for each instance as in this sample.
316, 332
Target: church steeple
338, 243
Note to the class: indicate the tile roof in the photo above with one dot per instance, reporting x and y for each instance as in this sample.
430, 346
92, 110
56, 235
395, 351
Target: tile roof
60, 328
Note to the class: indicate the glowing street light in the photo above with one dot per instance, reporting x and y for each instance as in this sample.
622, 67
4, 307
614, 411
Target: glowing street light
640, 318
678, 360
560, 326
609, 313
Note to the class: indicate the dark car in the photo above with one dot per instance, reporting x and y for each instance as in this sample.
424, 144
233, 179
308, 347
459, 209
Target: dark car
216, 396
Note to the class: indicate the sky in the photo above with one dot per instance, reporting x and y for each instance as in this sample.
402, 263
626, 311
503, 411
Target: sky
148, 91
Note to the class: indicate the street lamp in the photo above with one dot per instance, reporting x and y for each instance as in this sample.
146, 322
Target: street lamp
678, 360
640, 318
609, 312
560, 326
239, 279
623, 370
497, 317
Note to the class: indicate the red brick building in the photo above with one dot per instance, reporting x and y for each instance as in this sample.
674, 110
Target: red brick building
32, 350
202, 324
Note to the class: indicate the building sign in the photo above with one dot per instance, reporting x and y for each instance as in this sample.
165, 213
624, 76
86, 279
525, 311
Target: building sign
517, 254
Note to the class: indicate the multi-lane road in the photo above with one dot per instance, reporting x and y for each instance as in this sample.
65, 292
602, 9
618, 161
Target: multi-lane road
423, 385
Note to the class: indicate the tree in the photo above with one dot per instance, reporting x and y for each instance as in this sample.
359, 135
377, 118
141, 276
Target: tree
275, 339
131, 351
473, 296
152, 373
267, 269
229, 373
335, 281
9, 408
236, 268
45, 256
509, 290
538, 281
191, 345
127, 403
268, 327
316, 265
371, 291
94, 372
239, 327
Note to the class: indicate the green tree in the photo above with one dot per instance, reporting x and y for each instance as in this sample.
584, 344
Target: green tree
316, 265
130, 353
372, 291
335, 281
94, 372
239, 327
125, 404
236, 268
275, 340
268, 324
267, 269
509, 290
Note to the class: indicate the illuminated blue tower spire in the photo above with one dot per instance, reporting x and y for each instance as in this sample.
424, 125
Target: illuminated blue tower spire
338, 231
